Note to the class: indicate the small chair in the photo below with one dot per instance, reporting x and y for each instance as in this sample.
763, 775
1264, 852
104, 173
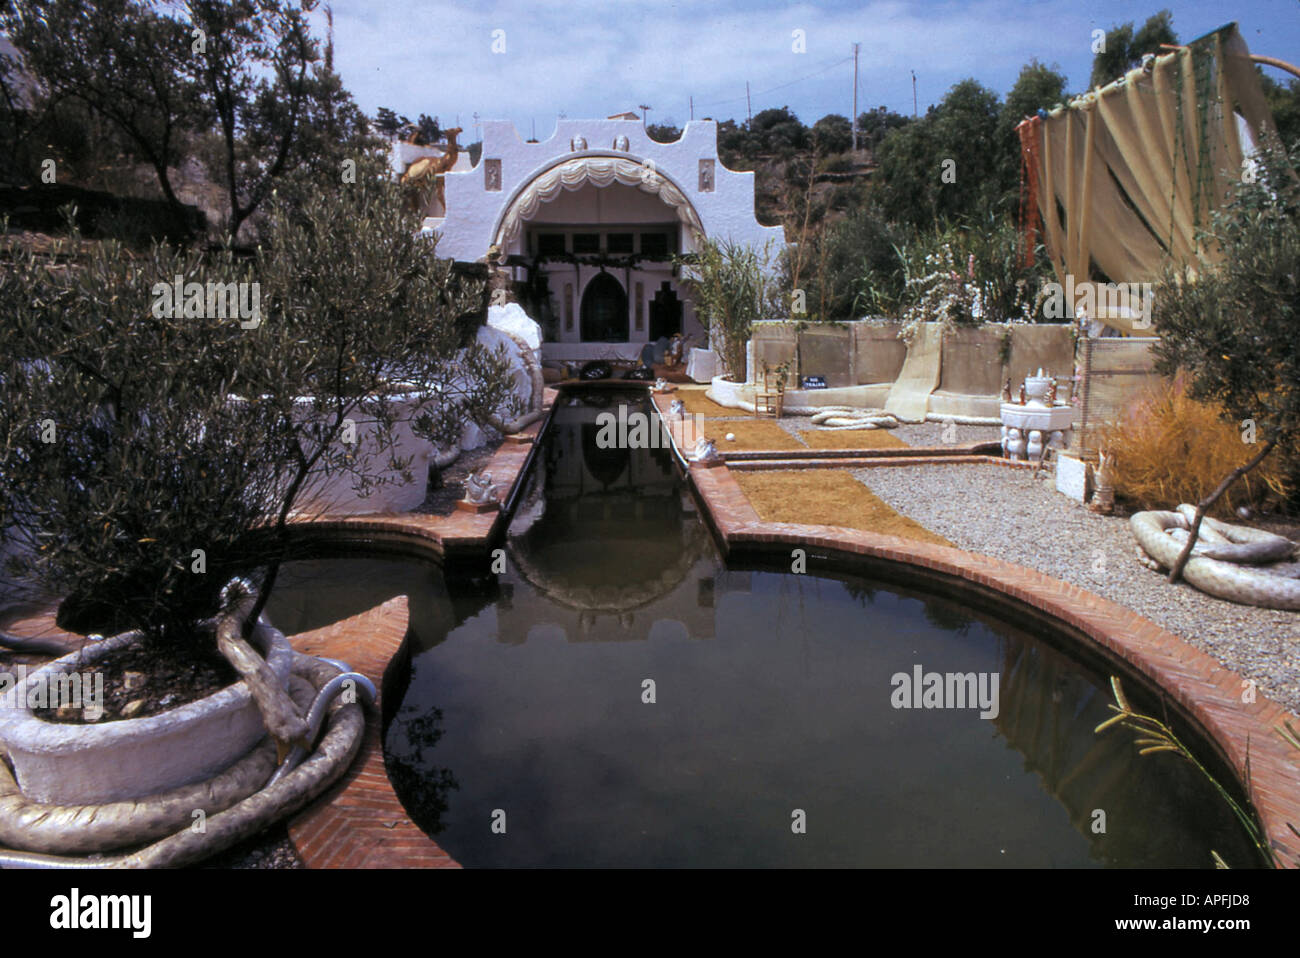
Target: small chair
769, 394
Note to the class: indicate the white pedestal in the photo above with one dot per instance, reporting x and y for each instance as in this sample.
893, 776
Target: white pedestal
1027, 429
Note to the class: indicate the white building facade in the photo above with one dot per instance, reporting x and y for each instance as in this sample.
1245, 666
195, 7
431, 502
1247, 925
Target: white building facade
591, 218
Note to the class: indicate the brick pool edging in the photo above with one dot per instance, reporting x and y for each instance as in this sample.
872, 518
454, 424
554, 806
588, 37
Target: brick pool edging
360, 822
1207, 693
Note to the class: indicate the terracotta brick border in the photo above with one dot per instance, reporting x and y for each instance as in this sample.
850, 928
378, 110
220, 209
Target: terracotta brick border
872, 462
1208, 694
360, 822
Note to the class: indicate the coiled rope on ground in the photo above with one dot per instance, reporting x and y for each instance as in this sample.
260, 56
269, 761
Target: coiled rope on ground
1231, 562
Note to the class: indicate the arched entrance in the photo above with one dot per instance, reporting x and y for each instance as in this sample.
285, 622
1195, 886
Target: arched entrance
576, 172
604, 311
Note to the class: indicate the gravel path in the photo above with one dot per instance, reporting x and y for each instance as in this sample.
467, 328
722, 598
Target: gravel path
1009, 515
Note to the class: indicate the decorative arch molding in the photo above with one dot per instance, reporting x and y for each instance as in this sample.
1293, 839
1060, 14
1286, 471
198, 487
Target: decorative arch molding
601, 168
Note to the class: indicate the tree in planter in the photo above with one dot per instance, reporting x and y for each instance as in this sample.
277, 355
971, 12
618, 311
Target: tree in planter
733, 285
177, 432
1232, 328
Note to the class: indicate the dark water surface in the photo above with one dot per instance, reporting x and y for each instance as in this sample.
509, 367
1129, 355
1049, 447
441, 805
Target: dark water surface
525, 708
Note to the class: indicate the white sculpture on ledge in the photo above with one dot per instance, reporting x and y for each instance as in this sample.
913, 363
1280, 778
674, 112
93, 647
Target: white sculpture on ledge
705, 452
1038, 422
677, 409
480, 489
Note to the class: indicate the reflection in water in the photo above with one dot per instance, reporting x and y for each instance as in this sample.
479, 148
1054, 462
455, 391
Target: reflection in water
422, 784
626, 699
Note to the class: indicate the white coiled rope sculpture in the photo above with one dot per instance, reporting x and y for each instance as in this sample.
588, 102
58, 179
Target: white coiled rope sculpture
1237, 563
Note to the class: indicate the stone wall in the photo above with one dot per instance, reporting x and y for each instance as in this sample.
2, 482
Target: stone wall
976, 362
861, 353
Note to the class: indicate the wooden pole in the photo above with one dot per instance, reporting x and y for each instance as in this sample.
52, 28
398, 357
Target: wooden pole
1290, 68
855, 97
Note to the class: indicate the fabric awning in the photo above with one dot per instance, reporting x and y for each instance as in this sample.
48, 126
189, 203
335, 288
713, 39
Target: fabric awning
1128, 174
574, 174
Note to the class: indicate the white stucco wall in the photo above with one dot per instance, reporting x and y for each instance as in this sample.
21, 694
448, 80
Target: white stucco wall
473, 213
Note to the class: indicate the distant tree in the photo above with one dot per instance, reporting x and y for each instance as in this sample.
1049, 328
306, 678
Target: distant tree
663, 132
1123, 48
1037, 87
875, 124
389, 123
832, 134
1284, 101
736, 146
779, 131
948, 164
427, 130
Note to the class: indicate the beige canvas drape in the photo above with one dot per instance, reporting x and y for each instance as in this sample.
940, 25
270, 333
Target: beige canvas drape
1123, 163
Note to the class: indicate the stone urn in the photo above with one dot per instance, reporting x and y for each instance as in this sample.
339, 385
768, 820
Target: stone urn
68, 764
1037, 388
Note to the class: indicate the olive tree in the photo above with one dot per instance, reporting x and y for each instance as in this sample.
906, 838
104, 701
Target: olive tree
1232, 326
155, 444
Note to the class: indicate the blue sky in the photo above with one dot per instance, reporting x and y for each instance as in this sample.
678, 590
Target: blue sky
590, 58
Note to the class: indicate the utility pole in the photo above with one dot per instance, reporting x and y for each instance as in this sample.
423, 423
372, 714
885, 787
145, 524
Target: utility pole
749, 107
855, 97
644, 109
692, 99
913, 94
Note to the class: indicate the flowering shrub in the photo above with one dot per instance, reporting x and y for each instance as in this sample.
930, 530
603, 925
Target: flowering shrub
943, 294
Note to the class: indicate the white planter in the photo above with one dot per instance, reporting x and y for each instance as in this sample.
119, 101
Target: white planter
702, 365
66, 764
726, 393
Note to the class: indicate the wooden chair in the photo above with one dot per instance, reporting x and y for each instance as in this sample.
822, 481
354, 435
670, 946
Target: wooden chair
769, 394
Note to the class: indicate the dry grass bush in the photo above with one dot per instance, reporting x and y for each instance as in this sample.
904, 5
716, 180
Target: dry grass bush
1171, 449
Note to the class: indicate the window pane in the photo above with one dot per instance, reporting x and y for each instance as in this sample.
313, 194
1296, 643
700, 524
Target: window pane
586, 242
619, 242
549, 244
654, 244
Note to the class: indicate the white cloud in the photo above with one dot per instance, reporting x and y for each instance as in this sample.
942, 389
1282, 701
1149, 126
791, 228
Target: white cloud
596, 57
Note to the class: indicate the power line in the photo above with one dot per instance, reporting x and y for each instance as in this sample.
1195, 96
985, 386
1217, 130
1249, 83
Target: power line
828, 67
